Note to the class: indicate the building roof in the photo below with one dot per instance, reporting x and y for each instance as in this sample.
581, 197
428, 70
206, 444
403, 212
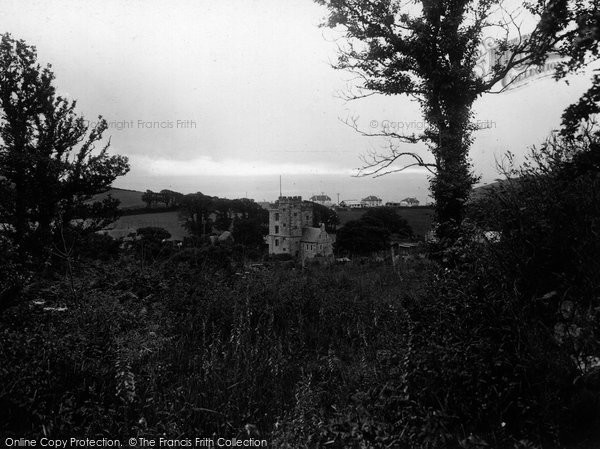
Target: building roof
411, 200
320, 198
310, 235
371, 198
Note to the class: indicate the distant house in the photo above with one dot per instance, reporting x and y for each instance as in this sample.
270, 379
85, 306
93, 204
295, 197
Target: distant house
371, 201
409, 202
321, 199
352, 204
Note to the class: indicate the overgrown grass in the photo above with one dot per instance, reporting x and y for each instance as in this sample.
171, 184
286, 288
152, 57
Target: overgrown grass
177, 350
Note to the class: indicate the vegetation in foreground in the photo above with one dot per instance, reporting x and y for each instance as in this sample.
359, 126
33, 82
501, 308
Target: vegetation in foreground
498, 348
179, 349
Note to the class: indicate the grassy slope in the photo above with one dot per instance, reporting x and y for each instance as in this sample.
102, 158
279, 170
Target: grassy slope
130, 199
166, 220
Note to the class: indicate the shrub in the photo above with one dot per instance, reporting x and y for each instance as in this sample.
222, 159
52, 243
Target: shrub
281, 257
372, 232
98, 246
150, 243
13, 273
548, 214
208, 257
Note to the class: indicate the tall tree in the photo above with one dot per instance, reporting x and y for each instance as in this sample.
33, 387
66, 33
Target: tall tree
49, 165
196, 209
580, 46
171, 198
430, 50
372, 232
325, 215
390, 220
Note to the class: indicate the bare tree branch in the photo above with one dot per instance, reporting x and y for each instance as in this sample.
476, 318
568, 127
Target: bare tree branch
352, 122
376, 164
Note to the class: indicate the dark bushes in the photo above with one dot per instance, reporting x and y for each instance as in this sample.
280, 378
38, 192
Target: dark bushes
208, 257
12, 274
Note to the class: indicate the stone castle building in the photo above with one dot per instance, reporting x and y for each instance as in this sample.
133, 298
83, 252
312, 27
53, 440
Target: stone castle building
291, 230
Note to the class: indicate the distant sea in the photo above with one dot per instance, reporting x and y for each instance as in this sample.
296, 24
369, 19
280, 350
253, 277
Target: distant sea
392, 188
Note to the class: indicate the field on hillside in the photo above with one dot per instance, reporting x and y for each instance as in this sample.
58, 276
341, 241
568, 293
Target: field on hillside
130, 199
419, 218
166, 220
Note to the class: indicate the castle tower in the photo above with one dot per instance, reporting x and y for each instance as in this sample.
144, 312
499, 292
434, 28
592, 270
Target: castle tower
286, 222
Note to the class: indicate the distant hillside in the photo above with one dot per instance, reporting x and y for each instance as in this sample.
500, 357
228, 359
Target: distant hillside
130, 199
481, 192
166, 220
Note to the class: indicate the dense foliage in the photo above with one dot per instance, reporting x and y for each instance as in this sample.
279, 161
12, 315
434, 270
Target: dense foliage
49, 166
325, 215
372, 232
204, 213
168, 198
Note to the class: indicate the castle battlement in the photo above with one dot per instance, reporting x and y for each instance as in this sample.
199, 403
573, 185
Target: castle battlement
290, 199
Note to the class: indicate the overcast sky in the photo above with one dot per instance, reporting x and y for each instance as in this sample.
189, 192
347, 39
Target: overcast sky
223, 96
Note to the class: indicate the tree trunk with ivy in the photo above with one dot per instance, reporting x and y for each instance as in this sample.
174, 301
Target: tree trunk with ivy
429, 50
